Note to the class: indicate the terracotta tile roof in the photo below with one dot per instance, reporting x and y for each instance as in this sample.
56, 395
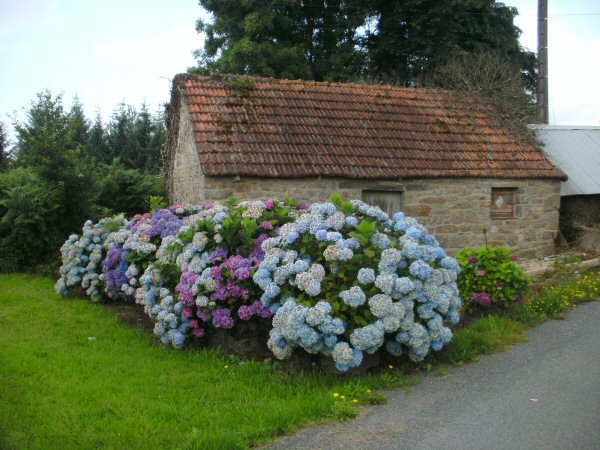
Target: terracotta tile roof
280, 128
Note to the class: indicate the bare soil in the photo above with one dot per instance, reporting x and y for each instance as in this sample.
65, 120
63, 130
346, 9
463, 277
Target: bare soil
130, 314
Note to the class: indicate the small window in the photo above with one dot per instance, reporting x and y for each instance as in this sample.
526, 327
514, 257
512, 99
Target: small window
503, 203
389, 201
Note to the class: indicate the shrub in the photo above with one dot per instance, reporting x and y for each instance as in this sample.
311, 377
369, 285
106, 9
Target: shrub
29, 208
202, 278
125, 190
346, 279
82, 256
341, 278
490, 277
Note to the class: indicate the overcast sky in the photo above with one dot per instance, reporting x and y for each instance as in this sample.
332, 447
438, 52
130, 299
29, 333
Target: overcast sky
108, 51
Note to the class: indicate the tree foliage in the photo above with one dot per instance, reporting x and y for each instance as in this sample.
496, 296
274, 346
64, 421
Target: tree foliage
414, 37
282, 38
4, 150
494, 78
97, 146
127, 190
78, 126
135, 137
391, 40
29, 210
50, 145
68, 170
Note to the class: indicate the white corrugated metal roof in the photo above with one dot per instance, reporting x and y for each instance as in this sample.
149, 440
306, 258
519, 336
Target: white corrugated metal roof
575, 150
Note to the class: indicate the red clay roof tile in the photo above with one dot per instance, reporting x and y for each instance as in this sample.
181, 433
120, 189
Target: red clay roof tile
281, 128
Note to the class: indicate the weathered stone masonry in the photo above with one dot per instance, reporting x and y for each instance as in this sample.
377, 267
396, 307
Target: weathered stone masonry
456, 210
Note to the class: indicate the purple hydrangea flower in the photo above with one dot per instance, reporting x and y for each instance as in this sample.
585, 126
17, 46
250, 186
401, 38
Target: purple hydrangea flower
482, 298
256, 309
219, 253
163, 223
222, 318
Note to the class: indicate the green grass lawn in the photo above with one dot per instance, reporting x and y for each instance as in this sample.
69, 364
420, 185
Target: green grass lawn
72, 376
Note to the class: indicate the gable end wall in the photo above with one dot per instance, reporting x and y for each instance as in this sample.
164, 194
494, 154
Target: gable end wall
187, 181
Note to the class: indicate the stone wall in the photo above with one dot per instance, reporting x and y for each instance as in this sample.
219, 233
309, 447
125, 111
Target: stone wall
456, 210
186, 183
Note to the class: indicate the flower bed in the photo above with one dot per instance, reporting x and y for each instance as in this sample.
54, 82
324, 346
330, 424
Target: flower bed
337, 279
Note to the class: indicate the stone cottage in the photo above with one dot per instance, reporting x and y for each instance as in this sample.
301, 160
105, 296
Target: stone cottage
437, 155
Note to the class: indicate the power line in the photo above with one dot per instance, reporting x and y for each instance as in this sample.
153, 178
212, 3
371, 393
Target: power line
560, 14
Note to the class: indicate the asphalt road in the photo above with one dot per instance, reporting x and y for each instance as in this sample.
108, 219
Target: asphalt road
543, 394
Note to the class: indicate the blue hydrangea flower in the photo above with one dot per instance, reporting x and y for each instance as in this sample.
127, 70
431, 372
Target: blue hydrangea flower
352, 221
366, 275
353, 297
420, 269
321, 235
292, 237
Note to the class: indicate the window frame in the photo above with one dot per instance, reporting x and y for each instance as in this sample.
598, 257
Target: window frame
398, 192
503, 212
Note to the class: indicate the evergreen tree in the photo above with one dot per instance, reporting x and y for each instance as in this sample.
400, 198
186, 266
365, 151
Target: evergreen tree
68, 172
389, 40
97, 146
136, 138
46, 146
77, 126
314, 39
4, 151
121, 135
157, 144
43, 138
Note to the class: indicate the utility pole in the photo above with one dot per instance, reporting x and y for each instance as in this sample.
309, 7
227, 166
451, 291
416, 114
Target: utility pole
542, 54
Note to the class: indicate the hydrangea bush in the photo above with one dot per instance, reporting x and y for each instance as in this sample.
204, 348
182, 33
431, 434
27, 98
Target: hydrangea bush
345, 279
338, 279
202, 278
82, 257
490, 277
132, 248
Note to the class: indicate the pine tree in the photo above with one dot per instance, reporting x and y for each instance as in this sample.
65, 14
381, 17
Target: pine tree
97, 146
77, 126
4, 151
46, 146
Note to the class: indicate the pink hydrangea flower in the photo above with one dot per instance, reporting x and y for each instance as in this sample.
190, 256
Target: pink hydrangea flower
198, 332
482, 298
